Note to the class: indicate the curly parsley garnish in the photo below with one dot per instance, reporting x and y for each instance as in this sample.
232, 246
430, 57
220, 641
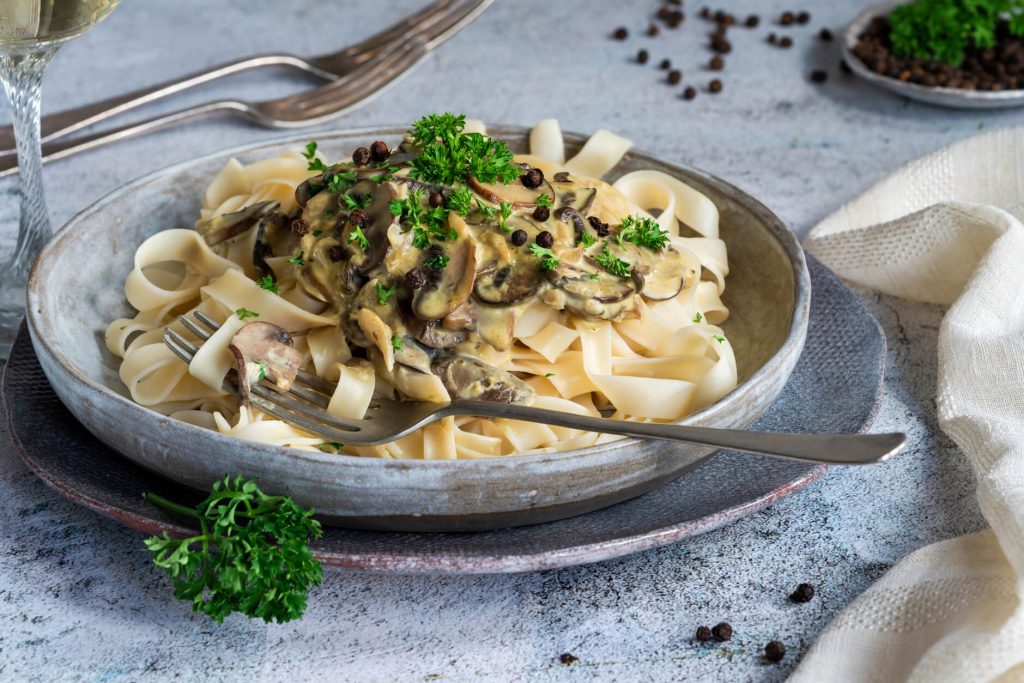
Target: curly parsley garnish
543, 200
396, 342
448, 155
586, 239
460, 200
943, 29
506, 212
267, 283
384, 293
244, 314
718, 338
352, 203
437, 261
251, 555
339, 182
315, 163
643, 232
612, 263
426, 224
548, 259
697, 318
297, 260
261, 371
359, 237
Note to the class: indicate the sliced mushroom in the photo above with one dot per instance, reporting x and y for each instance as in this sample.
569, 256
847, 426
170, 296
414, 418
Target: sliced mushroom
659, 274
573, 194
379, 334
263, 350
470, 379
376, 231
450, 287
515, 193
605, 296
461, 318
432, 334
217, 229
273, 238
511, 283
494, 325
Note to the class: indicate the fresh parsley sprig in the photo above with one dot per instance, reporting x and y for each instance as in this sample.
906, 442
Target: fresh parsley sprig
384, 293
448, 155
943, 29
643, 232
548, 258
244, 314
426, 224
268, 283
251, 555
315, 163
612, 263
359, 237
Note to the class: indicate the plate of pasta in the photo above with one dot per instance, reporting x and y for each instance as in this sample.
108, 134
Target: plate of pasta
434, 262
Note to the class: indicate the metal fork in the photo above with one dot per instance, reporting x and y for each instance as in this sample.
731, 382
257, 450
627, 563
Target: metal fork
304, 109
305, 406
329, 67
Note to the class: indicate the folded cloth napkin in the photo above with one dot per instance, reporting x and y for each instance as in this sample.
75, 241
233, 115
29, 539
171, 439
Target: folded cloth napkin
947, 229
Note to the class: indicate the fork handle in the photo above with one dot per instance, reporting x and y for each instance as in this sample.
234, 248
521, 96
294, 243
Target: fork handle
827, 449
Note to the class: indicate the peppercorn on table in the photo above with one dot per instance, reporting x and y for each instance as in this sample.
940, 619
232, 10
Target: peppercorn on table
81, 598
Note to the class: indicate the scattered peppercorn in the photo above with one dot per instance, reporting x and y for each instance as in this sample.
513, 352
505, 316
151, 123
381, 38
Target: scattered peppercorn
642, 56
726, 19
545, 239
568, 659
825, 35
436, 199
689, 93
703, 634
722, 632
541, 213
715, 85
787, 18
772, 38
803, 17
705, 13
674, 76
803, 593
532, 178
774, 651
620, 33
361, 156
379, 151
300, 227
665, 64
819, 76
599, 226
518, 237
722, 45
752, 21
336, 253
653, 30
663, 13
716, 63
415, 278
674, 19
785, 42
359, 217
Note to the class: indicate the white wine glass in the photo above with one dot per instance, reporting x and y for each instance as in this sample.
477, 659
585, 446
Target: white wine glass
30, 33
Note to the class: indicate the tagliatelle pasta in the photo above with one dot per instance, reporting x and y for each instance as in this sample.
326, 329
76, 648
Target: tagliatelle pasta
618, 315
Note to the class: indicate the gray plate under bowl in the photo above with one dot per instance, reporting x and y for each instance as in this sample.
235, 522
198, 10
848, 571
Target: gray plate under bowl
76, 289
836, 387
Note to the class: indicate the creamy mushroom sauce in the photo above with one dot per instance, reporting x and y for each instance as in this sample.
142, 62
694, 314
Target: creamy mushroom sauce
442, 325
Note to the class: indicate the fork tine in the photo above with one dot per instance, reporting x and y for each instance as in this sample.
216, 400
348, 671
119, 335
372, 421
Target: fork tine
455, 23
416, 22
195, 329
181, 347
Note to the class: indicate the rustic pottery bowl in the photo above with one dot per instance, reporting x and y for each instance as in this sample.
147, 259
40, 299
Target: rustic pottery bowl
956, 98
76, 288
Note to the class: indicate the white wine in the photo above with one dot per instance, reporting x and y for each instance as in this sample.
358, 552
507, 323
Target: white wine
29, 24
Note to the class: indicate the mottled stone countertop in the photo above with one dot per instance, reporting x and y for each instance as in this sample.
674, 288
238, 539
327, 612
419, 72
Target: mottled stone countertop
78, 597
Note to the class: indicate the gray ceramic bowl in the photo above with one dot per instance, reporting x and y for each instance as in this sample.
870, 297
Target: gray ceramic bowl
956, 98
76, 289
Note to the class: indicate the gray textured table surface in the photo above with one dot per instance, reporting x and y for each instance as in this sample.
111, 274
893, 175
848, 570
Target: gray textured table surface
78, 599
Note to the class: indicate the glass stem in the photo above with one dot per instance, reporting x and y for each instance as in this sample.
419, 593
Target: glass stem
22, 76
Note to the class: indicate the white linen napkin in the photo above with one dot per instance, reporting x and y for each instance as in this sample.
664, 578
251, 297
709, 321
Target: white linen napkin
947, 229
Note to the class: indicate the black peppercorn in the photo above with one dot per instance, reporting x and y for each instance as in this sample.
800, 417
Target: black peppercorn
675, 76
568, 659
415, 278
803, 17
716, 63
772, 38
518, 237
336, 253
600, 227
361, 156
722, 632
665, 64
436, 199
723, 46
703, 634
359, 217
674, 19
541, 213
545, 239
642, 56
653, 30
803, 593
785, 41
663, 13
532, 178
787, 18
620, 33
825, 35
689, 93
379, 151
300, 227
774, 651
715, 86
819, 76
752, 21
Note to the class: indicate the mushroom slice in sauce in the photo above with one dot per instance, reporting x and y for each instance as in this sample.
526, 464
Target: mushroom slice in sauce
376, 232
606, 297
467, 378
264, 350
449, 287
432, 334
379, 334
516, 194
217, 229
273, 238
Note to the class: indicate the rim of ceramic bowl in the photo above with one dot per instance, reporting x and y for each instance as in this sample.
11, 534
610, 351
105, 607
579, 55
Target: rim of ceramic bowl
37, 314
934, 94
